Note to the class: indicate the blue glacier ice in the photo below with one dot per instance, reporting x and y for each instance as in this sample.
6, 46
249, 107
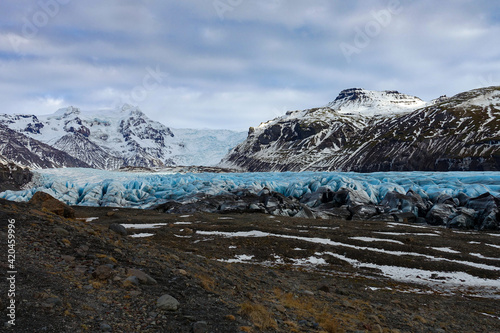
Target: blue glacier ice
90, 187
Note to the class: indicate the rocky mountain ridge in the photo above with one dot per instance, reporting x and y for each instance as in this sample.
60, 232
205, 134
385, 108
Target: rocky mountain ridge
111, 139
379, 131
22, 150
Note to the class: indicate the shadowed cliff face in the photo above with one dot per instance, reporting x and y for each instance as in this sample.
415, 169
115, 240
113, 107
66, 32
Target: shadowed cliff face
22, 150
450, 134
13, 177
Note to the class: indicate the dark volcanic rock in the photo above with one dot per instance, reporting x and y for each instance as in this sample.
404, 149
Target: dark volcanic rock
347, 196
118, 228
488, 209
364, 212
348, 204
411, 202
440, 214
462, 219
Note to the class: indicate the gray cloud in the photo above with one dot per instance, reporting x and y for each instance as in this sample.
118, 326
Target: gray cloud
245, 62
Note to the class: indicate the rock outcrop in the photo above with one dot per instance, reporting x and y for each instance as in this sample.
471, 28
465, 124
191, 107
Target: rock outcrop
13, 177
47, 202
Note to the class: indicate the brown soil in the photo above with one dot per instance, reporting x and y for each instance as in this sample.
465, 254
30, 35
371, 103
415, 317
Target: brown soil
57, 289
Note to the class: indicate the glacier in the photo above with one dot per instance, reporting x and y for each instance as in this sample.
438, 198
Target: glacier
92, 187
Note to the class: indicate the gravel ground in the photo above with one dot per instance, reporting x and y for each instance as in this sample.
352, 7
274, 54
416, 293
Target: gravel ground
246, 273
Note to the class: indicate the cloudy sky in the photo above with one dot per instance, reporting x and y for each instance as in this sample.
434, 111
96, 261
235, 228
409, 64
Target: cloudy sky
235, 63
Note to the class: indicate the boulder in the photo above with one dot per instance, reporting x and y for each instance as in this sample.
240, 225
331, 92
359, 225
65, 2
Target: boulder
314, 199
483, 203
393, 201
488, 211
254, 208
490, 221
411, 202
103, 272
462, 219
131, 281
141, 276
463, 198
264, 196
47, 202
327, 196
168, 303
445, 198
233, 207
119, 229
200, 327
305, 212
364, 212
422, 205
440, 214
350, 197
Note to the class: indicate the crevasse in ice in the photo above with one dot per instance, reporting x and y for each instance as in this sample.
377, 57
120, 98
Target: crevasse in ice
90, 187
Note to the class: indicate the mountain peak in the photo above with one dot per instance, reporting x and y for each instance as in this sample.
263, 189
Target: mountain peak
67, 111
370, 103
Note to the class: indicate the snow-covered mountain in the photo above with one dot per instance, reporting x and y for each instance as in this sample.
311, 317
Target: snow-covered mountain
24, 151
373, 103
379, 131
110, 139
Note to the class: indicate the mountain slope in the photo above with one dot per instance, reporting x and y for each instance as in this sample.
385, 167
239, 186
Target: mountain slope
27, 152
379, 131
460, 133
87, 151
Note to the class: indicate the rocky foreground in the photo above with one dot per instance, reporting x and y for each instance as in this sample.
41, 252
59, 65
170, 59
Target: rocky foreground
81, 270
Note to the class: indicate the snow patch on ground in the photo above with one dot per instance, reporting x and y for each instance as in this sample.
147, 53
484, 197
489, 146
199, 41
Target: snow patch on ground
412, 275
444, 249
257, 233
238, 259
142, 235
370, 239
88, 219
143, 226
479, 255
404, 234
